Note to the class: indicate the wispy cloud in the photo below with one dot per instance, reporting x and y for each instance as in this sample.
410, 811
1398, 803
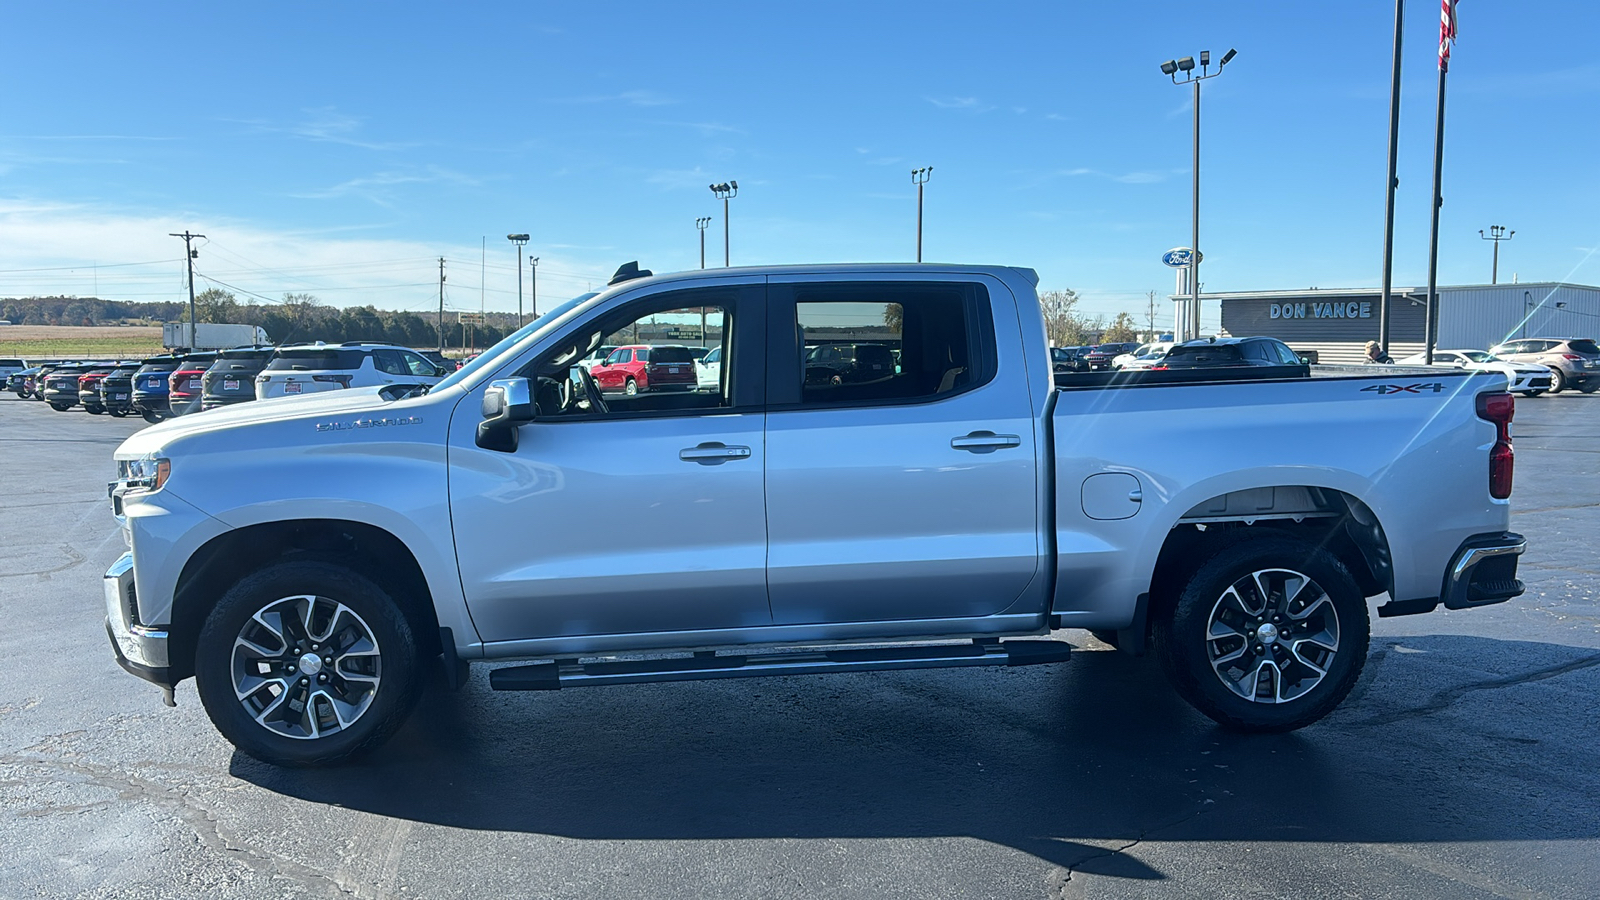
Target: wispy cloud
1125, 178
634, 98
325, 125
675, 179
706, 128
92, 137
965, 104
372, 187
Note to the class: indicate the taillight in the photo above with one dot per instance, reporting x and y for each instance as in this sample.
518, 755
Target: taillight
341, 380
1570, 356
1499, 409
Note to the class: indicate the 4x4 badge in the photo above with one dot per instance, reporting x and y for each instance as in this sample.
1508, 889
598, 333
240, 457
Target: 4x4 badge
1435, 387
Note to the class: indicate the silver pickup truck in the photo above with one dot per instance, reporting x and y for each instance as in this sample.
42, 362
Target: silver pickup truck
885, 475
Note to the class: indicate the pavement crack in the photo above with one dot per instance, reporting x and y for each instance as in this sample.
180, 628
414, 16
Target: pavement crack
199, 817
1446, 698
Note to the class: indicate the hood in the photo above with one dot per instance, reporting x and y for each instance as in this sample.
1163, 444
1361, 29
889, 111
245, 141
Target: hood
1505, 366
248, 415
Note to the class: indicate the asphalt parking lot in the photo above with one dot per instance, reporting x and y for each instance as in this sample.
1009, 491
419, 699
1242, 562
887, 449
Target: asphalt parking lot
1464, 764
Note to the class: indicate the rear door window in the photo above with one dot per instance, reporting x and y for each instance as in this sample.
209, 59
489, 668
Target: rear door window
315, 359
389, 362
416, 364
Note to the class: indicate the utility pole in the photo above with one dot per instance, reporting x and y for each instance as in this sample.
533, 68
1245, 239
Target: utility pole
188, 255
919, 177
519, 240
700, 225
1497, 233
1150, 316
533, 286
1170, 68
441, 306
724, 191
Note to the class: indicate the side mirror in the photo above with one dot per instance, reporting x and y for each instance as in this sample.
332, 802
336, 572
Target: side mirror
507, 405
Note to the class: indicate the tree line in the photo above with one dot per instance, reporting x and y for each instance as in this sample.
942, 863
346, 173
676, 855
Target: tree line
296, 318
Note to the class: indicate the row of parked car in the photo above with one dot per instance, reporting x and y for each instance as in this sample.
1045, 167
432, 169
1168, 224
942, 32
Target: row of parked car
1533, 366
184, 382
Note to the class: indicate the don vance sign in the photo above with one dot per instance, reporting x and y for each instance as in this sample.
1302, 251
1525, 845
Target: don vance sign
1347, 310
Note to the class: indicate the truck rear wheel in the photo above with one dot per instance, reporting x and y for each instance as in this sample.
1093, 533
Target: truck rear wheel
1270, 634
306, 663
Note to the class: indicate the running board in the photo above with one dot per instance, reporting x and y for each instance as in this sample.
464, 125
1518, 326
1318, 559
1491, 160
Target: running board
557, 674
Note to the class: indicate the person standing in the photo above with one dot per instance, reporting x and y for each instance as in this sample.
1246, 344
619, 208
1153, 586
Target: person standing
1376, 354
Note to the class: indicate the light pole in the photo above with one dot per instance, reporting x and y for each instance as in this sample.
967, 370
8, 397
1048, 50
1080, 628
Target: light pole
724, 191
533, 286
519, 240
701, 225
1497, 233
1171, 68
919, 177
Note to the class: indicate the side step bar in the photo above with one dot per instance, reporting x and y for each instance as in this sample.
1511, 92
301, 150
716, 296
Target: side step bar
557, 674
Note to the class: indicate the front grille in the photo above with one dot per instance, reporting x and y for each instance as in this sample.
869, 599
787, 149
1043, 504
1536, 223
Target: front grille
132, 602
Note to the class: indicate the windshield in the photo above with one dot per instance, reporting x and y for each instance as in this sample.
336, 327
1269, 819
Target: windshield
493, 354
1480, 356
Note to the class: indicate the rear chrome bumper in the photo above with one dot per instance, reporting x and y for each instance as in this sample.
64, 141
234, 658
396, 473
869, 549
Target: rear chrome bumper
140, 649
1483, 571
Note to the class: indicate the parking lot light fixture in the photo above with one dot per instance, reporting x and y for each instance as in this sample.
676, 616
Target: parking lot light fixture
519, 240
1171, 68
725, 191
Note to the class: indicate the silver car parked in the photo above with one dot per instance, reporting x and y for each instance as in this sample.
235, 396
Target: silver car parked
1573, 362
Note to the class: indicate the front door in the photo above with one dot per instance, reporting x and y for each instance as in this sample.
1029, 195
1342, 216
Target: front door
640, 514
901, 456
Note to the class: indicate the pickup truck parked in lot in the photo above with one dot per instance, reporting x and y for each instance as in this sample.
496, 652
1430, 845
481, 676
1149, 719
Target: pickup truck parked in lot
307, 560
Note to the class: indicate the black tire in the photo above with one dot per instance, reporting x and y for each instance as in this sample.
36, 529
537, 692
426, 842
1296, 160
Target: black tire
631, 388
61, 407
151, 416
1558, 380
1186, 651
93, 410
396, 665
1589, 386
1531, 394
117, 413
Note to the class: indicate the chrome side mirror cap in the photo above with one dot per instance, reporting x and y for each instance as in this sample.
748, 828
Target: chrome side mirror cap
507, 405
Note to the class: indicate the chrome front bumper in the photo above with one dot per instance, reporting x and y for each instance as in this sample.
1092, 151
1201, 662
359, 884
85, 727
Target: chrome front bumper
140, 649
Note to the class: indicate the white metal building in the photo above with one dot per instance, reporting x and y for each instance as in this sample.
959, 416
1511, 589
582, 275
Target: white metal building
1337, 322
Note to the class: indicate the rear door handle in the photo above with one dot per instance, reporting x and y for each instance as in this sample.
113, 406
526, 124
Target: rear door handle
985, 442
713, 453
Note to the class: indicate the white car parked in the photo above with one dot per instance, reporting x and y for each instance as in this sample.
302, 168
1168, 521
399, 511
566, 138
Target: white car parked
708, 371
1143, 357
1526, 379
313, 368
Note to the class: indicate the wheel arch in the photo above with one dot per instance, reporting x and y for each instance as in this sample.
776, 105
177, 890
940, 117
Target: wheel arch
367, 549
1325, 517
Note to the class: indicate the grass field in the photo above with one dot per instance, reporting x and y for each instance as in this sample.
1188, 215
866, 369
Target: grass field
96, 341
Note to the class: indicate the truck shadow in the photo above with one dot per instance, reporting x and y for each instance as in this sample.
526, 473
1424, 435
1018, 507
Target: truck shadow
1065, 762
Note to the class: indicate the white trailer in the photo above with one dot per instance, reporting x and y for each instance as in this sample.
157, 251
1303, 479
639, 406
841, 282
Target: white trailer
210, 336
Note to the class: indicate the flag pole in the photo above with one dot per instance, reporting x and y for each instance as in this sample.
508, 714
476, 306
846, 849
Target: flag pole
1393, 182
1447, 31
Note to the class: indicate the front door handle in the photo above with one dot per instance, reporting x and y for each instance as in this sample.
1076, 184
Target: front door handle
713, 453
985, 442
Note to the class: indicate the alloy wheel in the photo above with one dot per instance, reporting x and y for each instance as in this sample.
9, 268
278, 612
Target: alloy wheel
1272, 636
306, 667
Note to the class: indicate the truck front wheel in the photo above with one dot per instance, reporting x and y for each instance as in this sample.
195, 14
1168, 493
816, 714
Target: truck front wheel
306, 663
1269, 634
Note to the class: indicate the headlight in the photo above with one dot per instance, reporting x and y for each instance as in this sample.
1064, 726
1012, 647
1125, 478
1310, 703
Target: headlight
147, 473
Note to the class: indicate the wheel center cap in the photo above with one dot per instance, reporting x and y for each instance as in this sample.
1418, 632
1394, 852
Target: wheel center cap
311, 664
1267, 633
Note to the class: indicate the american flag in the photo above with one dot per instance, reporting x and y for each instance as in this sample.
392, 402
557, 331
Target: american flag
1447, 32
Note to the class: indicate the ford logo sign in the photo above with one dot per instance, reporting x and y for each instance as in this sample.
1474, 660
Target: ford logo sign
1178, 257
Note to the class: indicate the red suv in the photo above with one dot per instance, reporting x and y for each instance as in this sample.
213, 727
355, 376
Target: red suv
185, 387
638, 367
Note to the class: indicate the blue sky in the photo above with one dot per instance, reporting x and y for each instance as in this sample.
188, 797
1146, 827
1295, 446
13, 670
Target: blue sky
339, 149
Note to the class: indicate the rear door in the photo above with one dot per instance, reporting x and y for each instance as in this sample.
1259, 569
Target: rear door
907, 490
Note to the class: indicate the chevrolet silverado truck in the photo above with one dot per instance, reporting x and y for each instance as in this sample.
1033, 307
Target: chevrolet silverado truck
310, 561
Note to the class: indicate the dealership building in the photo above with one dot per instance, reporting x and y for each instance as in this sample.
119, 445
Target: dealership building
1337, 322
